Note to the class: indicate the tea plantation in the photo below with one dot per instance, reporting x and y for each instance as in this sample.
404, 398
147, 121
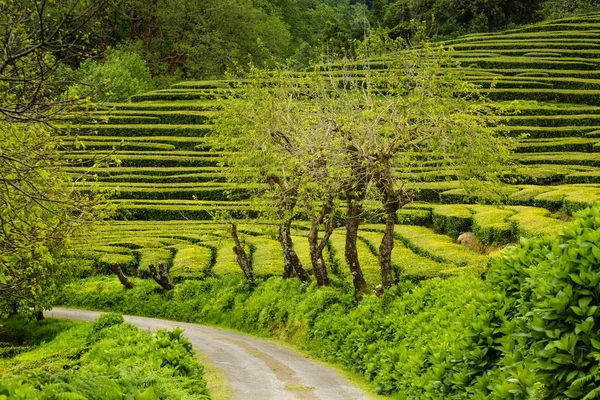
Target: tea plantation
526, 331
168, 182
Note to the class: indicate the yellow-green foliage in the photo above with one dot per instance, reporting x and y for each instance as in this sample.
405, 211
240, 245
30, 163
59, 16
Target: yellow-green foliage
532, 221
267, 259
406, 263
452, 219
153, 256
191, 262
368, 261
491, 226
105, 262
226, 264
440, 248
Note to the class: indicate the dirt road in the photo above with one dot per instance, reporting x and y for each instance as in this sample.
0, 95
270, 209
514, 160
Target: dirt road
256, 369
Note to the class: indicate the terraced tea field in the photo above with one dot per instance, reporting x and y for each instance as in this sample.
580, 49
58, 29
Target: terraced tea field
168, 181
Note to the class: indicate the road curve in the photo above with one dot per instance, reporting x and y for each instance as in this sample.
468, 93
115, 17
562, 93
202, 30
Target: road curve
256, 368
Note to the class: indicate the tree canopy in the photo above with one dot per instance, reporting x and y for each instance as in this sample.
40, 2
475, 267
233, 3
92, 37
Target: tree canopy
346, 133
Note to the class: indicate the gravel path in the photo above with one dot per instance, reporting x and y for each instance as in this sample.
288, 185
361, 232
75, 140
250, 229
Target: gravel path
256, 368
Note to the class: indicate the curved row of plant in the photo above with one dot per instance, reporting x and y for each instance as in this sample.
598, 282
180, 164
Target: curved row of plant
106, 360
528, 330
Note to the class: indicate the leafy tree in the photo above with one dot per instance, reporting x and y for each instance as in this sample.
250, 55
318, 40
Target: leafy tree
38, 38
399, 120
39, 208
264, 154
355, 129
39, 211
554, 9
452, 17
202, 38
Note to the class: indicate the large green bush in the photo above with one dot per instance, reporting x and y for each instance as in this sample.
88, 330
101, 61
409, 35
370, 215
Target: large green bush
116, 78
552, 339
105, 360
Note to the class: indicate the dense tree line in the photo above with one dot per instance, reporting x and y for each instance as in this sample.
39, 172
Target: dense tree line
191, 40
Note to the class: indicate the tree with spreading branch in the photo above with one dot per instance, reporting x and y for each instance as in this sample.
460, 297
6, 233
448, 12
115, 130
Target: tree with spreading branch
348, 132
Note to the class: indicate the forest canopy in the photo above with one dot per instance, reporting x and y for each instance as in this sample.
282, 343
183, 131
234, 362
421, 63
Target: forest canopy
194, 40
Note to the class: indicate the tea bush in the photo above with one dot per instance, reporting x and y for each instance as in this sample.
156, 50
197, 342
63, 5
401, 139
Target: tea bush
104, 360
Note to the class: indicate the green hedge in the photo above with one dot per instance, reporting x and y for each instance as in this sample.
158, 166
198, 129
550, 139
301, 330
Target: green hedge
172, 105
207, 193
452, 219
218, 84
267, 257
153, 256
151, 171
106, 145
123, 119
145, 130
369, 262
525, 195
591, 97
161, 117
192, 262
437, 247
104, 263
407, 264
408, 216
583, 177
552, 120
500, 44
557, 145
180, 178
158, 212
172, 95
533, 221
589, 159
491, 225
150, 160
531, 63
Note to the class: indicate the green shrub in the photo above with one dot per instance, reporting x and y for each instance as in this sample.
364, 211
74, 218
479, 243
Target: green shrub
553, 336
105, 262
192, 262
437, 247
101, 323
452, 219
104, 360
143, 130
118, 77
153, 256
173, 105
491, 225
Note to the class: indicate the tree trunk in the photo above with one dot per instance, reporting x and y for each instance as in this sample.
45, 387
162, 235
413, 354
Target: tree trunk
316, 251
392, 200
122, 278
240, 255
351, 252
161, 276
39, 316
291, 261
385, 251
